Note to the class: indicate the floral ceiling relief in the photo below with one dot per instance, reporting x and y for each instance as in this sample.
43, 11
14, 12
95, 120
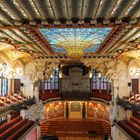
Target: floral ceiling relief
97, 110
54, 110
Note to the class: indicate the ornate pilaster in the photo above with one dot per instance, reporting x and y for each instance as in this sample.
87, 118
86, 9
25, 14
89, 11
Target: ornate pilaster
67, 110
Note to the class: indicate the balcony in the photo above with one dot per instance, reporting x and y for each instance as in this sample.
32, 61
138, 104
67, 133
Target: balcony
82, 96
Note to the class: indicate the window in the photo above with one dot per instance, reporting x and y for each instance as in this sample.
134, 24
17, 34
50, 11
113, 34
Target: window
3, 85
99, 83
52, 83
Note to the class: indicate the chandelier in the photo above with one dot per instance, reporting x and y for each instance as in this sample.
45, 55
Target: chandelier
75, 49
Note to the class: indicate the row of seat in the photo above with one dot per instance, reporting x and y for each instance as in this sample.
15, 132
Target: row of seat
13, 129
74, 126
9, 124
131, 126
20, 131
133, 98
10, 100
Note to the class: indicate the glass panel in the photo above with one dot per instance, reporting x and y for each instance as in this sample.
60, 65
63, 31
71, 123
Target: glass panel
98, 86
49, 86
102, 85
56, 85
61, 39
45, 86
52, 86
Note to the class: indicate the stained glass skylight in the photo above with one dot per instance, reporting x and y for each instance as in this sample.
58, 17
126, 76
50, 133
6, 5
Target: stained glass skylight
63, 40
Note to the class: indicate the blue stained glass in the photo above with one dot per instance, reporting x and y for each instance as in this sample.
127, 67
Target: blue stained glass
57, 36
4, 85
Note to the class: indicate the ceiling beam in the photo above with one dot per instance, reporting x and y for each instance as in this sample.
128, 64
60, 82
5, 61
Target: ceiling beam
94, 17
103, 45
109, 15
86, 25
38, 5
67, 9
6, 16
52, 9
82, 9
8, 7
23, 6
47, 47
125, 9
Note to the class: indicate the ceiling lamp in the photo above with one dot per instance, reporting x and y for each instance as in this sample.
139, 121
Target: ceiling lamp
44, 22
33, 23
93, 22
106, 21
81, 22
17, 23
68, 22
56, 22
75, 48
118, 21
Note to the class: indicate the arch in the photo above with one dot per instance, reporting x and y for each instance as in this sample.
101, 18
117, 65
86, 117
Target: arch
5, 58
133, 66
19, 62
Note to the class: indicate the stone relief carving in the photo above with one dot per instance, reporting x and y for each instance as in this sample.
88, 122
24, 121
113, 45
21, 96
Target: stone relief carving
40, 69
35, 111
106, 66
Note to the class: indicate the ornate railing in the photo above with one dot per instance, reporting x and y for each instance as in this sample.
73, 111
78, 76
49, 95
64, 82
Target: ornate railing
74, 95
18, 106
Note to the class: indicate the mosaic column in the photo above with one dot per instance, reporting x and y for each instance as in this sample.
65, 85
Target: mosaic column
67, 110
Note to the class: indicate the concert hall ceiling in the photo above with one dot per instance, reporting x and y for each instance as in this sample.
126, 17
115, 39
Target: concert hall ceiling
65, 29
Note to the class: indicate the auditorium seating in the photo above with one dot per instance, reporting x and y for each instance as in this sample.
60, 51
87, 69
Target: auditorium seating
14, 128
131, 102
131, 126
11, 100
20, 131
133, 99
9, 124
74, 127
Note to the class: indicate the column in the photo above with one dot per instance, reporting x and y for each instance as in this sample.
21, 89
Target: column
84, 110
67, 110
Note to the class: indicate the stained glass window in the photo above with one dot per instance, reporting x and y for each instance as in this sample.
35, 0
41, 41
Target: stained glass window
99, 83
63, 39
3, 85
52, 83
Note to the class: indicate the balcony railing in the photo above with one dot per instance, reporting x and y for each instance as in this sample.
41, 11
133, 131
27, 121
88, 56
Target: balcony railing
74, 95
18, 106
128, 105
